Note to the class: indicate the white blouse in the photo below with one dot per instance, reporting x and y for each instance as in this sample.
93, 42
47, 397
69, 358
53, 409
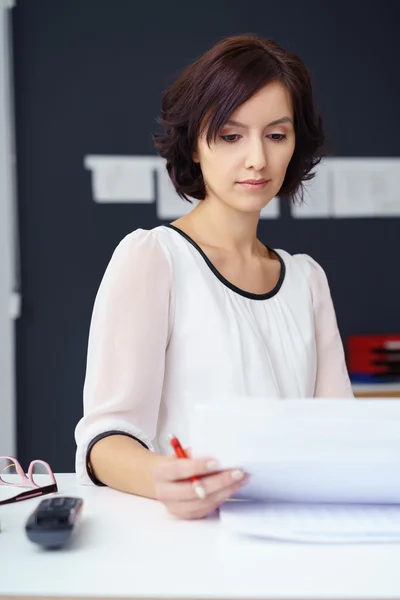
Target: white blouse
166, 323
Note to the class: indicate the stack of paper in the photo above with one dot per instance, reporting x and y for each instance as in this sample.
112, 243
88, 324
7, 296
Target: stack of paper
315, 455
314, 522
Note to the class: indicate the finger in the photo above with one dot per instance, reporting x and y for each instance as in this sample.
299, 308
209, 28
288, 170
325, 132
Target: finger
196, 509
185, 490
184, 468
223, 480
221, 496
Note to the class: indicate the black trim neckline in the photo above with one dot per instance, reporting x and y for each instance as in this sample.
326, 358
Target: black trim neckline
225, 281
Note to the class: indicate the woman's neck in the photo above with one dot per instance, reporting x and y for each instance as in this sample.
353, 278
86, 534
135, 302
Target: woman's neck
228, 229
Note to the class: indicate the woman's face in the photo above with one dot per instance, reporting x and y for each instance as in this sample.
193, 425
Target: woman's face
256, 143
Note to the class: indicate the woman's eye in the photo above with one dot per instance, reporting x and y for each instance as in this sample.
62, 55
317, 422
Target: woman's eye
233, 137
228, 138
278, 137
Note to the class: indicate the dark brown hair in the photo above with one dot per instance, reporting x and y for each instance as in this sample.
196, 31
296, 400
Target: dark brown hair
209, 90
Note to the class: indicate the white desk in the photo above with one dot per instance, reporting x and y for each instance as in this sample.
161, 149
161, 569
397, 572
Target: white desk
129, 547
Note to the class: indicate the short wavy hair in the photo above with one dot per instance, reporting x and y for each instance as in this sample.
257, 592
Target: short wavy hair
208, 91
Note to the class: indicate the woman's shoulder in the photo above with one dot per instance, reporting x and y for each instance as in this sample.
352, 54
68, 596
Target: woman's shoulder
302, 262
142, 246
307, 268
140, 237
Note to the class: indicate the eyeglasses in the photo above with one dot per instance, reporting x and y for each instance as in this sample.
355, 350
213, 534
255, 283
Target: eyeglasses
27, 479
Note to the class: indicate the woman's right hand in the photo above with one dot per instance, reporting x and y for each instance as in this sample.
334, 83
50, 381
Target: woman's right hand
173, 488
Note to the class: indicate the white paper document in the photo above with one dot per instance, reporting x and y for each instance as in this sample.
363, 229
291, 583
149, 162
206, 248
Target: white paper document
321, 523
317, 450
321, 470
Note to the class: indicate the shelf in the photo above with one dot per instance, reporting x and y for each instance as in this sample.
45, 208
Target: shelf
376, 390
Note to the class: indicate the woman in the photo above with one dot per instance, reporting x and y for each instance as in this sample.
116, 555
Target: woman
200, 306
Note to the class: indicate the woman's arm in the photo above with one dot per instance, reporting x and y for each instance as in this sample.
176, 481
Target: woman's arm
124, 464
332, 379
125, 366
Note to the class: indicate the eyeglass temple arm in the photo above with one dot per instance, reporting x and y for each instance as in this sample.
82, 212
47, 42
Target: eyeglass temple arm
32, 493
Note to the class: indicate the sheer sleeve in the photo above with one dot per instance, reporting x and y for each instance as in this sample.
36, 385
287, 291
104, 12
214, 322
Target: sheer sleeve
332, 376
128, 336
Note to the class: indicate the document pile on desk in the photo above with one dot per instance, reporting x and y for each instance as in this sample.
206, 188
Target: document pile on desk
324, 470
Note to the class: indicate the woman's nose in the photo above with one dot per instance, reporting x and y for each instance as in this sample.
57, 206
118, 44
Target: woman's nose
256, 157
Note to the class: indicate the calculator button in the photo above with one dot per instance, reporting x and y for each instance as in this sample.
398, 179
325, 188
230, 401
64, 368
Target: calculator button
58, 502
71, 502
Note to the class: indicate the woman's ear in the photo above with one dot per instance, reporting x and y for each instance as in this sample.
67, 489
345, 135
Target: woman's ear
195, 156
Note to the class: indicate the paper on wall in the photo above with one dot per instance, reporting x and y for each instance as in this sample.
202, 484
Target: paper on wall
352, 188
367, 187
317, 195
123, 178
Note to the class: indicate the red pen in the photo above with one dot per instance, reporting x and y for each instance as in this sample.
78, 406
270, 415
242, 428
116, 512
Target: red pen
180, 453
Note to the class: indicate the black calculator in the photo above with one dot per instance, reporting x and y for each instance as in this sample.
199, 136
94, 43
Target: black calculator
52, 522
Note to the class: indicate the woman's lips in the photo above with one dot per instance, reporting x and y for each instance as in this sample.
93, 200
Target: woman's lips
254, 186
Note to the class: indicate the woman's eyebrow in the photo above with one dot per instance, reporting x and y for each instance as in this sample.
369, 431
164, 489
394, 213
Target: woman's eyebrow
276, 122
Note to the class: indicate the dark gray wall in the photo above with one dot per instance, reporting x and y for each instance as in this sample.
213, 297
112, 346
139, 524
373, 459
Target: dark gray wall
88, 79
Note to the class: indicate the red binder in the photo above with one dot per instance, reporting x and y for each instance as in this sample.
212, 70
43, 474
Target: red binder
377, 356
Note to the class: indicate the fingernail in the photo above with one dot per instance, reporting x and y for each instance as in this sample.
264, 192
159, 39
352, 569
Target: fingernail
199, 490
237, 474
212, 465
